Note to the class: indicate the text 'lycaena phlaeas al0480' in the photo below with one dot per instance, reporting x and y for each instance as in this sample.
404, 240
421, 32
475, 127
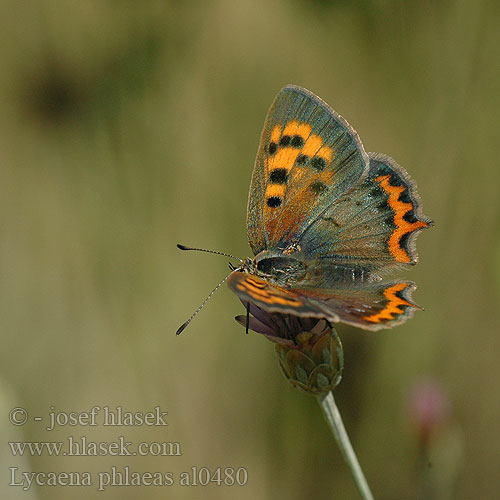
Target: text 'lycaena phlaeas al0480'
324, 219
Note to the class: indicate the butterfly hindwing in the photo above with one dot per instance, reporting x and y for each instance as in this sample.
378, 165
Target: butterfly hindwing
308, 157
406, 219
370, 228
371, 306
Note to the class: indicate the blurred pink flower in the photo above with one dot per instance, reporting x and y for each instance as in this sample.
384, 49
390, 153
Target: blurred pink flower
429, 408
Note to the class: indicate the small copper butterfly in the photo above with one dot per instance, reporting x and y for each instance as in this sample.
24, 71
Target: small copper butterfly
324, 219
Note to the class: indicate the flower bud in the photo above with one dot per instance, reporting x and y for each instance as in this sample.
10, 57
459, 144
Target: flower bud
309, 349
315, 362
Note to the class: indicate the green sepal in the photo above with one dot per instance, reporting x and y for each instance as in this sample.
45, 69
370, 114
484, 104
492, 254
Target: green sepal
315, 363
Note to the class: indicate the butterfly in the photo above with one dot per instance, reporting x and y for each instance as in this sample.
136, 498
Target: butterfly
326, 220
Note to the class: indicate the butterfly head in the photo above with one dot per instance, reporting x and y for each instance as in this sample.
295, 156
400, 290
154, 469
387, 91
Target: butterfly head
247, 265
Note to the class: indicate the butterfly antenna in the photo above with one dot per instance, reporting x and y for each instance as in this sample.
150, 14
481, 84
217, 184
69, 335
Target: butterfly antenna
184, 247
183, 326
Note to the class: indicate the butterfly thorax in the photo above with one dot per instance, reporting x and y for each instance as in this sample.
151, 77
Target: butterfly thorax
276, 267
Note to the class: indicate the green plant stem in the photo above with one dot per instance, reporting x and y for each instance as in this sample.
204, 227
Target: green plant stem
337, 426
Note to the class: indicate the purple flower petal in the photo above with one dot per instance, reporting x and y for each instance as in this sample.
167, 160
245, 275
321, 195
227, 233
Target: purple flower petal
279, 340
260, 314
279, 328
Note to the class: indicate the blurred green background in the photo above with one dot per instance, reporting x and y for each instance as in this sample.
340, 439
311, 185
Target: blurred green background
127, 127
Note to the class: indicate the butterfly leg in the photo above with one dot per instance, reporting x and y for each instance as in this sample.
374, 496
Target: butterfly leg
248, 318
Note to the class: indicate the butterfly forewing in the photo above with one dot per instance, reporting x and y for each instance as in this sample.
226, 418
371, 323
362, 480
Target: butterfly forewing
272, 298
308, 157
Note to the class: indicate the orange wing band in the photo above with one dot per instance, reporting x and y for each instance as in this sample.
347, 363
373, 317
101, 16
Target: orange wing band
402, 226
393, 307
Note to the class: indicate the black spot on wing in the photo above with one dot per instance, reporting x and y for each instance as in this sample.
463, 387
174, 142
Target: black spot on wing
405, 195
318, 187
285, 140
318, 163
410, 217
301, 160
403, 242
273, 201
278, 176
297, 141
332, 220
401, 295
